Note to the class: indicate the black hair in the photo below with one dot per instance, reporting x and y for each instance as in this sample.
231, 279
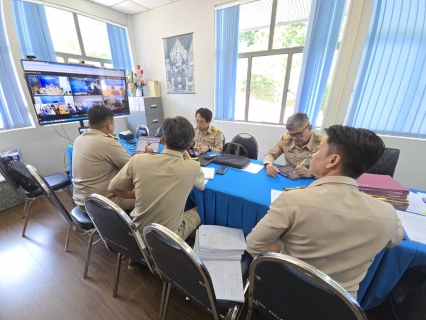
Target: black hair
178, 133
359, 149
205, 113
99, 115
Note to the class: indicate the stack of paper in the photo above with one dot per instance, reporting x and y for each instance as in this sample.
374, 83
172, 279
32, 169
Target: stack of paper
384, 188
220, 249
208, 173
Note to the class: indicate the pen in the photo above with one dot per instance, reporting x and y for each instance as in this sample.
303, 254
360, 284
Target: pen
301, 164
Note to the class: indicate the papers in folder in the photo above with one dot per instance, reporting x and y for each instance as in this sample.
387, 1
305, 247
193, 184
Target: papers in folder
384, 188
144, 141
220, 249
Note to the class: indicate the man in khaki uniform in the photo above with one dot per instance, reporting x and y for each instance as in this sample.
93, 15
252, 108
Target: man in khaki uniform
331, 225
207, 137
298, 146
162, 182
97, 158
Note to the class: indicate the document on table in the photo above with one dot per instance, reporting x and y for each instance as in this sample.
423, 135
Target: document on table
227, 279
417, 204
414, 225
253, 168
275, 194
208, 173
218, 237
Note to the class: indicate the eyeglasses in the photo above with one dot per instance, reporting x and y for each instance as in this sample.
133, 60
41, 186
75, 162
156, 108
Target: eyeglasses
200, 121
298, 134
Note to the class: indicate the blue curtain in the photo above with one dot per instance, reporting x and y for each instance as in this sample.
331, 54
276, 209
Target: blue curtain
120, 50
324, 24
33, 30
389, 96
226, 43
13, 112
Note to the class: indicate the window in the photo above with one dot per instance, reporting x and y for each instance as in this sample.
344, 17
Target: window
76, 37
269, 59
389, 93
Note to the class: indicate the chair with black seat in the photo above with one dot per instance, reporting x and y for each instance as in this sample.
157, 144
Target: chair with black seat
249, 142
118, 232
387, 163
179, 266
78, 220
142, 130
283, 287
12, 172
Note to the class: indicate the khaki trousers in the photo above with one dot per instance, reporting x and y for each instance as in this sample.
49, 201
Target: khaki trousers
191, 221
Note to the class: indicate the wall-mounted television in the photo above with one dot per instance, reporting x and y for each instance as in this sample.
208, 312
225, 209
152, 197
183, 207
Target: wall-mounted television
62, 92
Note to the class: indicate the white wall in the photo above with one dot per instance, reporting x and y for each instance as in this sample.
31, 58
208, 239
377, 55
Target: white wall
41, 146
197, 16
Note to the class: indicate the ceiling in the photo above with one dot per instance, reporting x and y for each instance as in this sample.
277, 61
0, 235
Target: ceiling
133, 6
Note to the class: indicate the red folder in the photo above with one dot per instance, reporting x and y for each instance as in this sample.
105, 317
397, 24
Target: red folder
377, 181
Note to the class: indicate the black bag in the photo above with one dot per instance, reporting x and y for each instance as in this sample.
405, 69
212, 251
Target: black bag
231, 160
235, 149
19, 173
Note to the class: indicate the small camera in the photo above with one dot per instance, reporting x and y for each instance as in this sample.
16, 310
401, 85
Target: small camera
31, 57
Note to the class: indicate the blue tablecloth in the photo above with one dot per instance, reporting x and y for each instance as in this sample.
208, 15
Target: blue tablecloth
240, 199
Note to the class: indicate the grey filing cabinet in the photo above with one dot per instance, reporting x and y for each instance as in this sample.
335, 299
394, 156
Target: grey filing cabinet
147, 111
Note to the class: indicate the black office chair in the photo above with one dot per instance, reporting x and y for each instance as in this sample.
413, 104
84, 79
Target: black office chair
78, 221
159, 132
179, 266
142, 130
283, 287
387, 163
27, 190
118, 233
249, 142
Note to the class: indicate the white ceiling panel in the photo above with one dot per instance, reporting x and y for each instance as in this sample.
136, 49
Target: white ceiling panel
151, 4
108, 3
129, 7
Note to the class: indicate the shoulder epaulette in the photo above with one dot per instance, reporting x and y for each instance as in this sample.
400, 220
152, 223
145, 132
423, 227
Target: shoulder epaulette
112, 136
215, 129
286, 137
195, 127
319, 138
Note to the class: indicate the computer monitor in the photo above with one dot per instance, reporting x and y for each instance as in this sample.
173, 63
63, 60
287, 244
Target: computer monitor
62, 92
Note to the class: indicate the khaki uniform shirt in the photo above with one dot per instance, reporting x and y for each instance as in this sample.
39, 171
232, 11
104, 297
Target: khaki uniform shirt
213, 138
294, 155
332, 226
96, 159
162, 183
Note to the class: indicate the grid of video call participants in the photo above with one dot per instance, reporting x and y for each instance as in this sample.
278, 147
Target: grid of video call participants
61, 98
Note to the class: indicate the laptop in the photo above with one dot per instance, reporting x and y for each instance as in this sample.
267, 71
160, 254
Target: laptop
83, 129
143, 141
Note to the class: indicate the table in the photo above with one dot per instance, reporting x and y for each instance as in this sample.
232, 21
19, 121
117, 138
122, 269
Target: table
239, 200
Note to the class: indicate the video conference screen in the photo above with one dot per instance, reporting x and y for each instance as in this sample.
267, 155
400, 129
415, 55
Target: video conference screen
63, 92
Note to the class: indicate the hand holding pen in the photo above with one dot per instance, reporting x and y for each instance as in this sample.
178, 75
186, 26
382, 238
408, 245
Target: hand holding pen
302, 171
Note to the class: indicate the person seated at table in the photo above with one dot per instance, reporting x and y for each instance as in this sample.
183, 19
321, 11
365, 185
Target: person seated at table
97, 158
298, 146
207, 137
162, 182
331, 225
